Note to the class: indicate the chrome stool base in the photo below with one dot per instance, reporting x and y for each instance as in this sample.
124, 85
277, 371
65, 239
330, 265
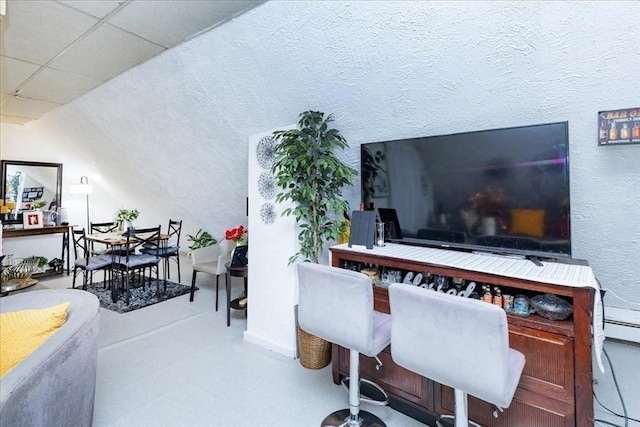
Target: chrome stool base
341, 419
451, 417
371, 389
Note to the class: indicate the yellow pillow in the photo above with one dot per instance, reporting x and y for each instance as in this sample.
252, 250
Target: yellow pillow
21, 332
527, 221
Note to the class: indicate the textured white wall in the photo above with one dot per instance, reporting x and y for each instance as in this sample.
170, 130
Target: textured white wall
171, 135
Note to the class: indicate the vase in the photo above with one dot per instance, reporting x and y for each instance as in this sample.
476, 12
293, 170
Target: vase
227, 245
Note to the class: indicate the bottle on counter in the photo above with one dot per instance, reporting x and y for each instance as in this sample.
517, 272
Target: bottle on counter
521, 306
486, 294
497, 297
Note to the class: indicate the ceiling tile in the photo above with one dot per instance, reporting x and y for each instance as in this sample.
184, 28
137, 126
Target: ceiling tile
35, 31
13, 119
170, 22
97, 8
13, 72
31, 108
58, 86
105, 53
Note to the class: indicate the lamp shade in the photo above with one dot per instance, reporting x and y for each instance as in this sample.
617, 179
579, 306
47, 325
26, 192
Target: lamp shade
81, 188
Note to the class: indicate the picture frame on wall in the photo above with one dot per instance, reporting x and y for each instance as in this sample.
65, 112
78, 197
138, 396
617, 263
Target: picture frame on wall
616, 127
32, 219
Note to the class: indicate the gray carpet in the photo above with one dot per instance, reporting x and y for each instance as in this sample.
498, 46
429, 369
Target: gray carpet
141, 296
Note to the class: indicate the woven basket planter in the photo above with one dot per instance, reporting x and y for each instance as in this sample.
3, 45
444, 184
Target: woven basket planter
315, 353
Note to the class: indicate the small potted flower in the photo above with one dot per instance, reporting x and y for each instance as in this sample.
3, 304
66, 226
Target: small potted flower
125, 217
237, 235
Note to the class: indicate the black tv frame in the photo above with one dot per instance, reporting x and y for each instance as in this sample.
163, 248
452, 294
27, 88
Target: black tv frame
504, 251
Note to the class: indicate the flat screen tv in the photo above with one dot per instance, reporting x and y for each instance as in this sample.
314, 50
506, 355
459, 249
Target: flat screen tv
501, 190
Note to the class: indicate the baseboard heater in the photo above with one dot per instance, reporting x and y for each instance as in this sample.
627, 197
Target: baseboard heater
622, 324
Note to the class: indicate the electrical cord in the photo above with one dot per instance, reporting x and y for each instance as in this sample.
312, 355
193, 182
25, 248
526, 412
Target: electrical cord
615, 382
614, 412
613, 375
609, 291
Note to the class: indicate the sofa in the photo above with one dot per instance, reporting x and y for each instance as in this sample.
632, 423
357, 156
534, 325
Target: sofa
54, 385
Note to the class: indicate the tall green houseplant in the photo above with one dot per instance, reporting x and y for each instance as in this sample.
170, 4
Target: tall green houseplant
312, 177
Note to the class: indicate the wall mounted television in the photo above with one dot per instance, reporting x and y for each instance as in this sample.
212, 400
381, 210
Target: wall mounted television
501, 190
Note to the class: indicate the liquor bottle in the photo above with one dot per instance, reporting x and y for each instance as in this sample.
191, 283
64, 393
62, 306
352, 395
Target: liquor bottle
602, 133
497, 298
613, 132
487, 297
636, 130
625, 132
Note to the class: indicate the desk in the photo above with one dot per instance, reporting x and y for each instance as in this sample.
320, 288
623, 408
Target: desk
235, 272
59, 229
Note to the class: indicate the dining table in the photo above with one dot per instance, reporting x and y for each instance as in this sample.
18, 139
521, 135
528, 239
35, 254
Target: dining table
116, 242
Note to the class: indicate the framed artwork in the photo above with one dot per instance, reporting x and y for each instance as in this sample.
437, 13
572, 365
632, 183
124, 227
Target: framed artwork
32, 219
617, 127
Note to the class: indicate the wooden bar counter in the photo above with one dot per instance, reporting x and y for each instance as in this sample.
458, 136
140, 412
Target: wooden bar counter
556, 385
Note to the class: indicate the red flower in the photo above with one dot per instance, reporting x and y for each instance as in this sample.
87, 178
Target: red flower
236, 234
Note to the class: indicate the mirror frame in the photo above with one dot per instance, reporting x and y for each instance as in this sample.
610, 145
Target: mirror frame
6, 163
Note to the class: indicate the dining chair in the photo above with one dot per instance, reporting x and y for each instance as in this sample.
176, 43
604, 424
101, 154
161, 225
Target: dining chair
85, 261
131, 260
171, 250
101, 227
211, 260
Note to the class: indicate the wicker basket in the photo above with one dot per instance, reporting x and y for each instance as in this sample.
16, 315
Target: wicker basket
315, 353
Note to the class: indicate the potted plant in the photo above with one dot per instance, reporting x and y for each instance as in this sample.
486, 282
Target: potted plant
311, 176
202, 239
125, 217
38, 204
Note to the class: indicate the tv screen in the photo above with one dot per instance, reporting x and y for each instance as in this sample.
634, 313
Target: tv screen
501, 190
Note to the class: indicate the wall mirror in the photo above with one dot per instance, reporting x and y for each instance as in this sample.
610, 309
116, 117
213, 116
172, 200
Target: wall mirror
27, 185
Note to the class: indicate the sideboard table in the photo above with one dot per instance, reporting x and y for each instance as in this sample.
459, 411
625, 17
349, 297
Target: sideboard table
57, 229
556, 388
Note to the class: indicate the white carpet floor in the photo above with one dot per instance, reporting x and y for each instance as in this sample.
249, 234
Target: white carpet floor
177, 364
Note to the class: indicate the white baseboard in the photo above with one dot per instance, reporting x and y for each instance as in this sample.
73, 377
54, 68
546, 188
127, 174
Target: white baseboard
622, 324
254, 339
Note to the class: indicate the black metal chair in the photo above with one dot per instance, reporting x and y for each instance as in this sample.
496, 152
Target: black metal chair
101, 227
85, 261
131, 260
171, 249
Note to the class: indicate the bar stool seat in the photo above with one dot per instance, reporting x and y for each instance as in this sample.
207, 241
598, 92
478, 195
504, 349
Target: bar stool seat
459, 342
337, 305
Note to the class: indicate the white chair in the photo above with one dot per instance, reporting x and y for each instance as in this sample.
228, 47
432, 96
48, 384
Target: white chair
211, 260
337, 305
458, 342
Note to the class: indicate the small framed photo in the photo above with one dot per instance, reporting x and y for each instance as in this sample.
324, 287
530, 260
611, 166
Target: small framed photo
32, 219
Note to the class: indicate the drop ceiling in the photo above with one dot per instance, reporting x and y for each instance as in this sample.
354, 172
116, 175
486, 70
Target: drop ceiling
53, 52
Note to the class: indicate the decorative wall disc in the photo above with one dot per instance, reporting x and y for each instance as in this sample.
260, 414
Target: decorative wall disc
267, 185
268, 213
265, 152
